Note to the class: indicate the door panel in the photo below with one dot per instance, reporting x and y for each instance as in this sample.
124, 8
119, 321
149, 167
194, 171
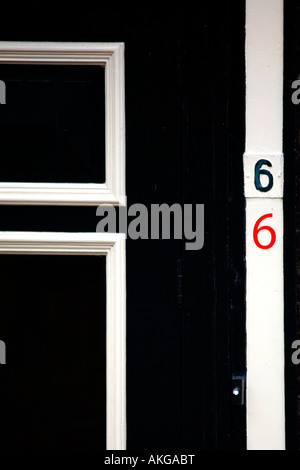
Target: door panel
53, 319
57, 112
184, 144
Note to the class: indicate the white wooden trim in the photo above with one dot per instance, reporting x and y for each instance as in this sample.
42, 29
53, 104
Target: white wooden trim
265, 290
95, 244
110, 56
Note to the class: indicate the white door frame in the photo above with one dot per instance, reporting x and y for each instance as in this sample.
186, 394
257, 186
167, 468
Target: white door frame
265, 289
112, 192
112, 246
110, 56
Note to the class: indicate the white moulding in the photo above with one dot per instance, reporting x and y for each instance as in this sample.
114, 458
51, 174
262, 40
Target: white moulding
112, 246
265, 281
110, 56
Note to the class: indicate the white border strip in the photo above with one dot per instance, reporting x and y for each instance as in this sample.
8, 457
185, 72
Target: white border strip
113, 247
265, 291
111, 56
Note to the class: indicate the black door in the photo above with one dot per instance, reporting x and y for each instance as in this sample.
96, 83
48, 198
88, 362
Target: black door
184, 76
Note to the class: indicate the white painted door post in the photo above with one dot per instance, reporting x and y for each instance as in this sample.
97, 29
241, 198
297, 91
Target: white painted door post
263, 171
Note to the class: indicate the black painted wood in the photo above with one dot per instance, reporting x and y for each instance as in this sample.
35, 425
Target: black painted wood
184, 144
291, 217
53, 128
53, 318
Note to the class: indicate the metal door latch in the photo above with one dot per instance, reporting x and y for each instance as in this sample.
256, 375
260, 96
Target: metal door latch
238, 390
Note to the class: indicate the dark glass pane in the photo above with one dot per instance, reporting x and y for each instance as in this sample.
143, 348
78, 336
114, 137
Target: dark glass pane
52, 319
52, 127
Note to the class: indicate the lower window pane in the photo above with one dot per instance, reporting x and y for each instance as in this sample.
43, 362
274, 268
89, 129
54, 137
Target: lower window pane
52, 320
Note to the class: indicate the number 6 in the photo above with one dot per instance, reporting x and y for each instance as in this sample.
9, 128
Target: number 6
259, 172
257, 230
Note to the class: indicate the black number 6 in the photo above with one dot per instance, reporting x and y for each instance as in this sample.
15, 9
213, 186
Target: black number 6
259, 172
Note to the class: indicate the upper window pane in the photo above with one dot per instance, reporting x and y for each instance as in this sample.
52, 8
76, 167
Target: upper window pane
52, 128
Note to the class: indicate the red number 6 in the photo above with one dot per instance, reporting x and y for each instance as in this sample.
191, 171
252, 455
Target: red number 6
257, 230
